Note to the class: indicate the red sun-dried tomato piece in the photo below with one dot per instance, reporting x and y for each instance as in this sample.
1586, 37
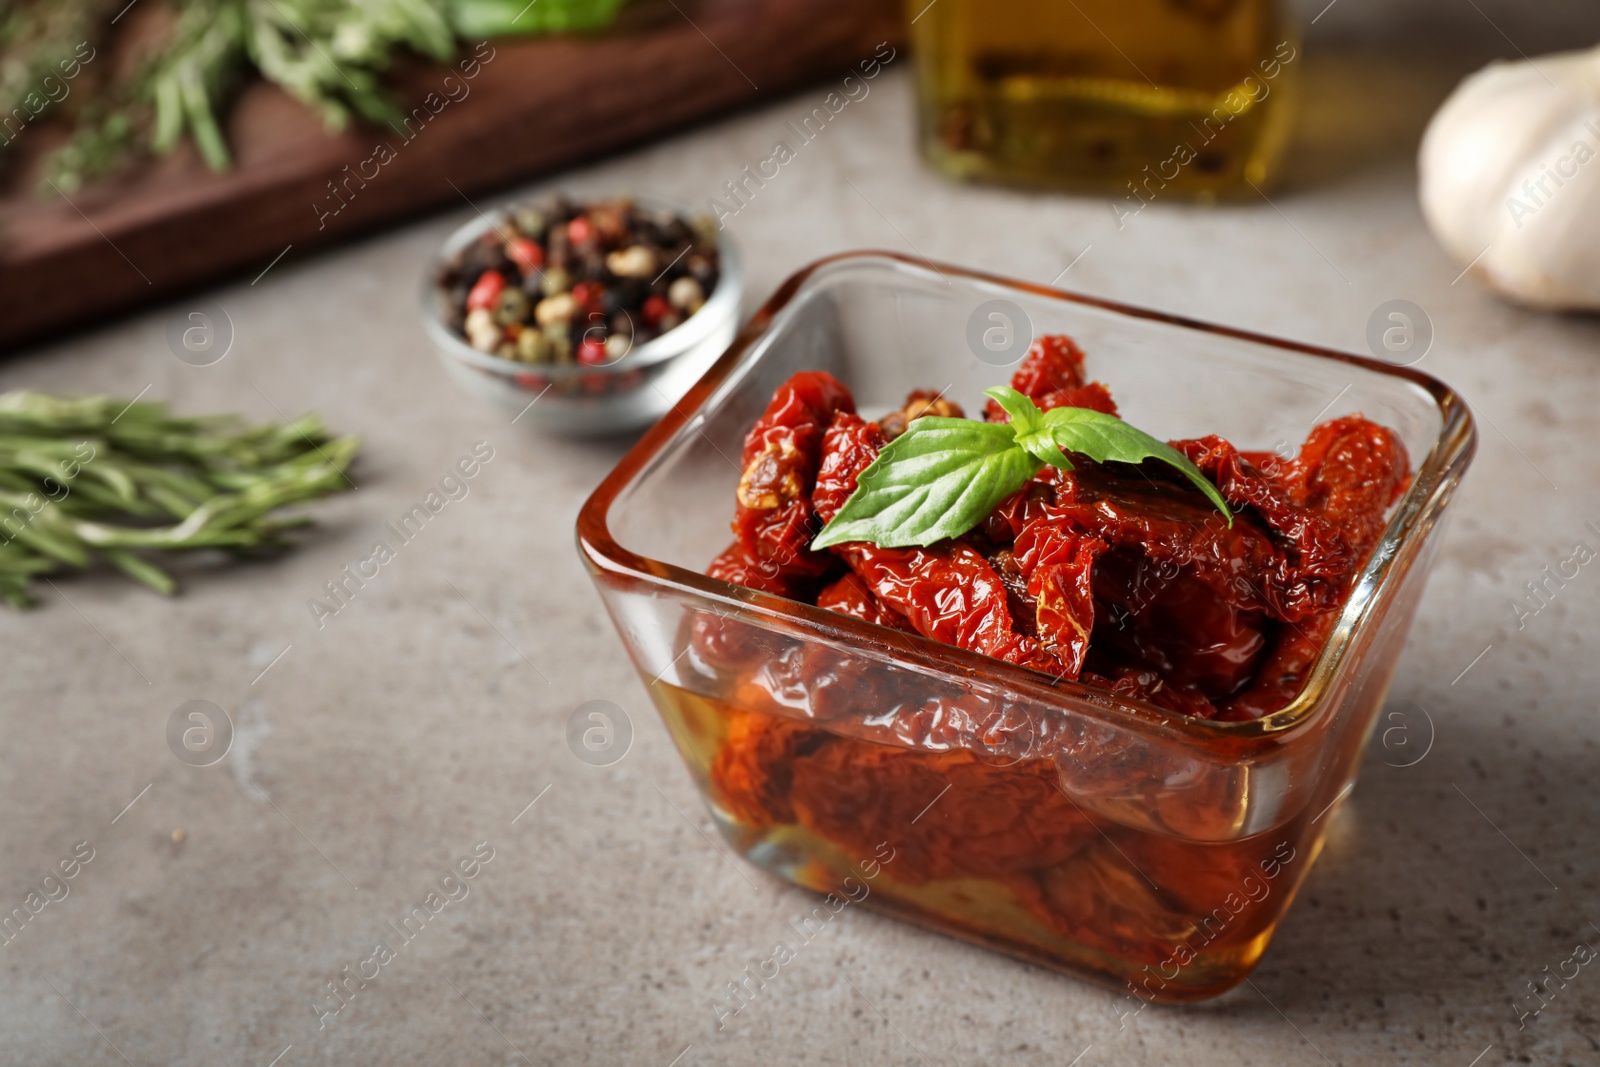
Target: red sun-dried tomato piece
1097, 898
1094, 396
1219, 882
1048, 568
1146, 685
1144, 511
1350, 471
736, 565
990, 822
950, 593
775, 521
919, 402
1321, 550
1051, 375
727, 643
751, 774
1054, 361
1283, 669
1160, 616
849, 446
1061, 589
1006, 521
850, 596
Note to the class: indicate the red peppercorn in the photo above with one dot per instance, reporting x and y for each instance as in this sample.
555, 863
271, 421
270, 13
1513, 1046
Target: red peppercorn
587, 295
655, 308
525, 254
592, 351
580, 231
486, 290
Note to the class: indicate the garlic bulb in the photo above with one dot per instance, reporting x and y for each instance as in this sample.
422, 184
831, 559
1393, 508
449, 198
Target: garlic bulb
1510, 178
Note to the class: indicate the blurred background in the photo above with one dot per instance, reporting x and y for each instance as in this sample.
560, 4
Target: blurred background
152, 147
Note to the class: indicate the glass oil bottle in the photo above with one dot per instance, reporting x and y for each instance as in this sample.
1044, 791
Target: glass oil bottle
1132, 99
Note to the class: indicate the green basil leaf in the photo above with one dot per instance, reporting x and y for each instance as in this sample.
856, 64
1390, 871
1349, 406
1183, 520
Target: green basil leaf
939, 479
943, 476
1042, 446
1028, 421
1104, 438
1025, 414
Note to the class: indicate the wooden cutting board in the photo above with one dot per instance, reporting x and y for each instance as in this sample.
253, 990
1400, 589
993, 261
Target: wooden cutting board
533, 106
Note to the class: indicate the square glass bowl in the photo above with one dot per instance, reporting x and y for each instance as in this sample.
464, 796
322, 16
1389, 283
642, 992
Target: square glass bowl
1046, 819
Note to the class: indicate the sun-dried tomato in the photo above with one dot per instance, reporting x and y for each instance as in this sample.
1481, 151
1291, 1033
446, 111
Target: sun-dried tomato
1282, 670
849, 446
1350, 471
1093, 396
727, 643
1145, 512
775, 521
735, 565
1211, 881
920, 402
850, 596
1054, 361
1056, 561
1142, 684
751, 774
1098, 899
1051, 375
1320, 549
1158, 615
989, 821
949, 593
825, 684
1016, 510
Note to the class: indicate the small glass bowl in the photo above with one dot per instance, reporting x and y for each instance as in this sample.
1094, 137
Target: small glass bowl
590, 401
1051, 820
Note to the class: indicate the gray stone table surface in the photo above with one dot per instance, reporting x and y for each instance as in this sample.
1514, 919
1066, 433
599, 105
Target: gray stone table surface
373, 754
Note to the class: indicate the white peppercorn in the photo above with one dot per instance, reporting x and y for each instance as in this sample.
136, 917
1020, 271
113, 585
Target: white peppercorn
555, 310
482, 333
686, 295
635, 261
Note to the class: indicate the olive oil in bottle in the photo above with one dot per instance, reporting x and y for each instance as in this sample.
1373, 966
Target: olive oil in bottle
1133, 99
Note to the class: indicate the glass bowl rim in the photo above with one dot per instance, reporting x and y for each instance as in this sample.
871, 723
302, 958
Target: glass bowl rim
722, 303
1432, 484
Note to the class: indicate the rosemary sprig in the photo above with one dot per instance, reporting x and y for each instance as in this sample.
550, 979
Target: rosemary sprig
91, 479
327, 53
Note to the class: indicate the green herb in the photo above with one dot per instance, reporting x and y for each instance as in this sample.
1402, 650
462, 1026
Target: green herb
943, 476
94, 479
473, 19
43, 47
330, 54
